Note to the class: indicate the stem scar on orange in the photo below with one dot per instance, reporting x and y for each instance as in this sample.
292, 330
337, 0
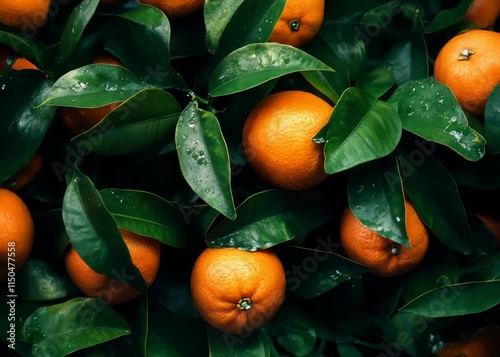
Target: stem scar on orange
469, 64
237, 291
386, 257
277, 139
299, 22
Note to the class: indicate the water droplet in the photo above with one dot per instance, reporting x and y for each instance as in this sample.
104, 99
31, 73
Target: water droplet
398, 219
111, 87
192, 122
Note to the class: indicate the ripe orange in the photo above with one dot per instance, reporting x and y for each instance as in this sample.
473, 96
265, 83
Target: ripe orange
16, 232
483, 13
492, 223
28, 172
78, 120
22, 63
469, 64
176, 8
277, 139
386, 257
482, 343
145, 254
299, 22
24, 13
237, 291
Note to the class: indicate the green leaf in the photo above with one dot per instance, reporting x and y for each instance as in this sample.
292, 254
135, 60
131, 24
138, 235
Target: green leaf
94, 234
492, 121
407, 333
269, 218
434, 195
245, 27
141, 124
204, 158
39, 280
448, 17
407, 58
429, 109
312, 272
30, 48
217, 14
346, 350
73, 30
221, 345
146, 214
251, 65
456, 299
140, 38
375, 195
360, 129
72, 325
93, 85
376, 82
22, 126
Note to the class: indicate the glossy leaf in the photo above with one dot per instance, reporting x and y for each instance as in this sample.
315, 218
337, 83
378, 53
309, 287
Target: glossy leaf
204, 158
221, 344
360, 129
93, 85
429, 109
407, 333
269, 218
94, 234
39, 280
245, 28
375, 195
217, 14
73, 30
251, 65
456, 299
146, 214
435, 197
52, 333
447, 17
377, 82
141, 124
22, 127
320, 269
492, 121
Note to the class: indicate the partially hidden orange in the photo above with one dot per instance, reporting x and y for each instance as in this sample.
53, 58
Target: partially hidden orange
237, 291
483, 13
28, 172
482, 343
386, 257
176, 8
145, 253
492, 223
469, 64
278, 139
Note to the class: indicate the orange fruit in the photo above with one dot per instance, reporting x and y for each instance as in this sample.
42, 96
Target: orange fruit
277, 139
469, 64
385, 257
78, 120
482, 343
145, 254
16, 232
24, 13
492, 223
22, 63
299, 22
237, 291
176, 8
28, 172
483, 13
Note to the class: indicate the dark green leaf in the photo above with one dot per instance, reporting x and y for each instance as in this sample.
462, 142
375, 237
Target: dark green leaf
73, 30
60, 329
375, 194
22, 126
429, 109
30, 48
456, 299
93, 231
204, 158
221, 344
447, 17
492, 121
217, 14
93, 85
269, 218
251, 65
407, 333
146, 214
141, 124
246, 27
360, 129
377, 82
346, 350
434, 195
